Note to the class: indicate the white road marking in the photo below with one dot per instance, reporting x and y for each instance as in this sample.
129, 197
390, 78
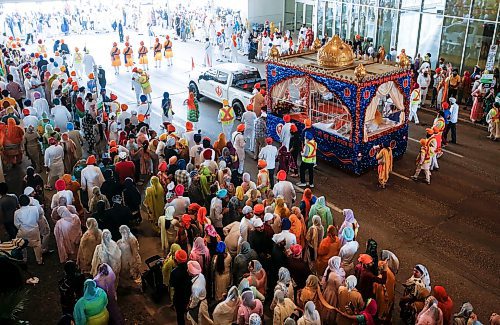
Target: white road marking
444, 150
330, 205
400, 176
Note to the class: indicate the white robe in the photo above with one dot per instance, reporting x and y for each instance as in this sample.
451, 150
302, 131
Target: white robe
53, 159
286, 135
91, 176
61, 117
41, 106
88, 63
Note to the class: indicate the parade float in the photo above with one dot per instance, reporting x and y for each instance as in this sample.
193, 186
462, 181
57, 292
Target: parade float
353, 104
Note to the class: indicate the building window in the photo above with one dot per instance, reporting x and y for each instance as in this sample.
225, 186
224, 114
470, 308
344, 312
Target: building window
430, 36
387, 28
407, 36
479, 39
452, 40
485, 9
459, 8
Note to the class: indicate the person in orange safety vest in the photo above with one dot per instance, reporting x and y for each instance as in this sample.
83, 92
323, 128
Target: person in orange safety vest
226, 117
423, 161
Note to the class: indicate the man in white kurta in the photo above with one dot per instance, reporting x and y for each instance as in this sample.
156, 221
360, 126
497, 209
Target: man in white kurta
91, 176
245, 224
239, 144
249, 118
26, 221
61, 115
88, 63
40, 105
286, 132
53, 158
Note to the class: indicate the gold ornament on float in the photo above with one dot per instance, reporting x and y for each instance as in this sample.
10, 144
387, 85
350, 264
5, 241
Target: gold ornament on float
404, 61
335, 54
316, 44
360, 72
275, 53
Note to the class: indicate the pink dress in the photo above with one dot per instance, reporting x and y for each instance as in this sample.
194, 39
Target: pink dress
245, 312
67, 232
476, 114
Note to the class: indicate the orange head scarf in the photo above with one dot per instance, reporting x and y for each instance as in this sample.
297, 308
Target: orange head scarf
296, 227
202, 216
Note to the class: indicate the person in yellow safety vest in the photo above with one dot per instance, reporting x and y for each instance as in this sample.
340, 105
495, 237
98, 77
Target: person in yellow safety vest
226, 117
308, 160
414, 103
493, 119
432, 143
423, 162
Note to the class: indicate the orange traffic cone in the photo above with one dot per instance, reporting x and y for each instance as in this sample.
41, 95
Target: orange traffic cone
192, 63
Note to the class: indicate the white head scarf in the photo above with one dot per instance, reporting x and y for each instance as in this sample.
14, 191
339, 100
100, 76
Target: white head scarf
254, 319
284, 275
334, 266
392, 260
351, 282
279, 296
310, 312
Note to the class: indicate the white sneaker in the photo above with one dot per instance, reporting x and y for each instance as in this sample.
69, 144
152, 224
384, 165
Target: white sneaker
311, 185
301, 184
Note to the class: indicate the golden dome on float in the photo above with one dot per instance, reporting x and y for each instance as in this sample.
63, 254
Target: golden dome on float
335, 53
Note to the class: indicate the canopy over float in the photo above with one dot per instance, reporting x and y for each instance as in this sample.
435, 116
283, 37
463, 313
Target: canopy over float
354, 104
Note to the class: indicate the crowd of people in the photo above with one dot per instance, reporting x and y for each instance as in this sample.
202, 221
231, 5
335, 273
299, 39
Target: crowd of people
237, 247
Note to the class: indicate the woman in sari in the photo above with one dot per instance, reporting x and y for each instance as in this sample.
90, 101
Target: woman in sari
168, 265
105, 280
200, 254
308, 199
69, 148
130, 258
88, 123
283, 309
311, 315
90, 239
107, 252
257, 276
96, 197
219, 145
74, 187
12, 152
349, 221
297, 230
347, 296
225, 312
476, 113
385, 294
91, 308
249, 305
284, 284
384, 158
67, 232
221, 270
333, 278
329, 247
309, 292
154, 201
416, 289
366, 317
321, 209
431, 314
281, 209
168, 229
314, 237
132, 199
296, 210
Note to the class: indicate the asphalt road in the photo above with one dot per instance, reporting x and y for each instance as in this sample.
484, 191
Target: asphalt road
451, 226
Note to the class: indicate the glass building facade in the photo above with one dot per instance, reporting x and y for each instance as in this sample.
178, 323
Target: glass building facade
460, 31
